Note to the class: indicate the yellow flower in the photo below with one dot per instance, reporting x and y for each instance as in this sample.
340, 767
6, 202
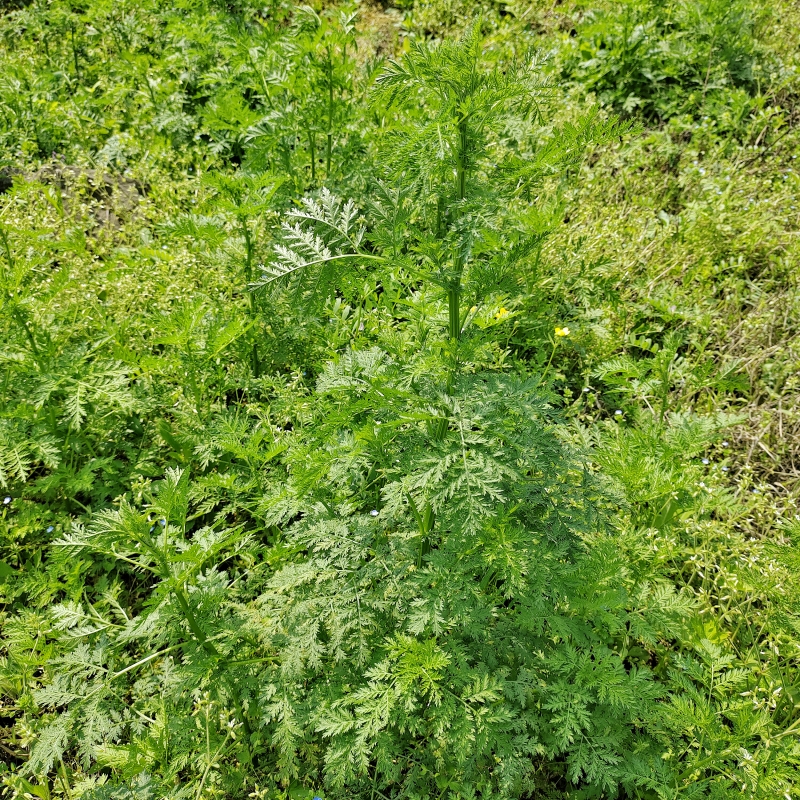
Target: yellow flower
473, 309
502, 313
562, 331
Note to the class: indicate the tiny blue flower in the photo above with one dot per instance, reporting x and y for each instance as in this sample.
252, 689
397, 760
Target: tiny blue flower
374, 512
162, 523
317, 798
724, 444
50, 528
618, 412
152, 528
705, 461
724, 469
6, 501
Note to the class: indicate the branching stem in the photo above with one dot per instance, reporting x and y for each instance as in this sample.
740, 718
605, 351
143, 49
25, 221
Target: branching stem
203, 641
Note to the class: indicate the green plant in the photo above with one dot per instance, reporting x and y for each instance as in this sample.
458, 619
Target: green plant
54, 384
310, 95
440, 512
666, 59
181, 617
357, 522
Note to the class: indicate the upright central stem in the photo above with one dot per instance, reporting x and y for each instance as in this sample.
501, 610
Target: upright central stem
454, 284
454, 308
454, 290
248, 271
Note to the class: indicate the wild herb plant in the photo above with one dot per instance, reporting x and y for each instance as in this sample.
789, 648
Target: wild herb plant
443, 524
310, 83
322, 59
336, 538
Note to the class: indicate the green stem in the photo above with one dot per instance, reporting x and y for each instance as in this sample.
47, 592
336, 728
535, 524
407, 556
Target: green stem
197, 631
454, 310
454, 287
23, 323
329, 144
150, 90
428, 519
202, 639
454, 290
701, 765
193, 384
142, 661
64, 780
248, 254
34, 121
75, 54
662, 412
19, 318
549, 362
249, 251
461, 165
312, 147
791, 729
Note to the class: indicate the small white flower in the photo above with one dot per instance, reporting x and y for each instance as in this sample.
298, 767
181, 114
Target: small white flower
585, 389
724, 444
6, 501
618, 412
374, 512
705, 461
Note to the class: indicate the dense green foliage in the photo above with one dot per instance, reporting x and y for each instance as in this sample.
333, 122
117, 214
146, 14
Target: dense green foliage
397, 404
